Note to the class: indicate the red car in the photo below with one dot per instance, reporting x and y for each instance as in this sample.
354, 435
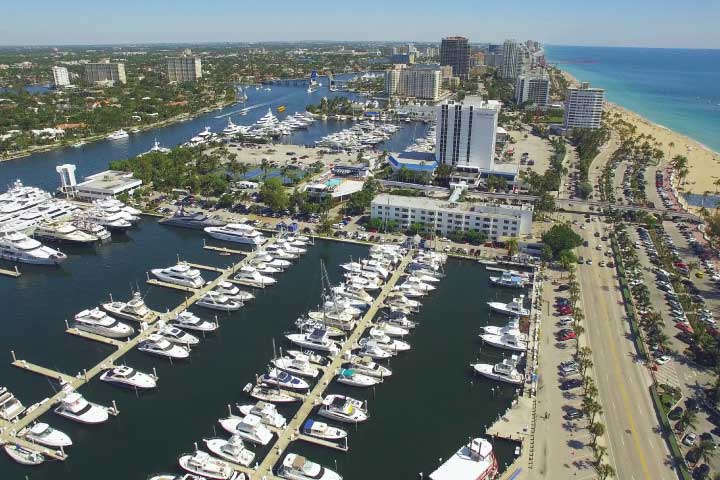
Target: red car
564, 336
684, 327
565, 310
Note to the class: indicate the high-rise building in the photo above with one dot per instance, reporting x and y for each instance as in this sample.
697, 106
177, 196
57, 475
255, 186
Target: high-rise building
455, 51
584, 107
421, 82
184, 69
105, 72
61, 77
466, 133
512, 60
533, 88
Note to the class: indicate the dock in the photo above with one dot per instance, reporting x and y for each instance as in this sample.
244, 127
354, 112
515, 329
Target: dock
343, 447
10, 273
224, 250
207, 267
98, 338
159, 283
47, 372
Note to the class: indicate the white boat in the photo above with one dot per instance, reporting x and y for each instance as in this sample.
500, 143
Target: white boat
343, 409
266, 411
268, 394
314, 358
18, 247
316, 340
117, 135
24, 456
281, 379
353, 292
125, 376
314, 428
366, 366
418, 284
295, 467
249, 428
372, 350
307, 325
473, 461
233, 292
162, 347
509, 280
265, 268
94, 229
75, 407
218, 301
345, 305
180, 274
271, 260
353, 267
397, 319
387, 343
156, 148
389, 330
375, 266
281, 254
299, 365
64, 232
342, 320
178, 336
190, 321
10, 407
512, 327
100, 323
111, 221
513, 308
236, 232
172, 476
349, 376
503, 372
250, 276
232, 450
506, 341
44, 434
200, 463
361, 282
424, 276
134, 309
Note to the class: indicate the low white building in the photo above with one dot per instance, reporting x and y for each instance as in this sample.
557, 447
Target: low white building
498, 222
338, 189
107, 184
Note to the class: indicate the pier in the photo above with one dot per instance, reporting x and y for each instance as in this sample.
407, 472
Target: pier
10, 273
224, 250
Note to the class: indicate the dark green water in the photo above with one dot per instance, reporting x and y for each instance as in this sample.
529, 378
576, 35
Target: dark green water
425, 411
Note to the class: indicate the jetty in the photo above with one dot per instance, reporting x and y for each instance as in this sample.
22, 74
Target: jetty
10, 273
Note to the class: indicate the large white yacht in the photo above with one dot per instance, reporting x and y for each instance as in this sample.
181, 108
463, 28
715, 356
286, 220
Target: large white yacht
218, 301
75, 407
232, 450
207, 467
513, 327
190, 321
178, 336
100, 323
44, 434
343, 409
473, 461
233, 292
250, 276
504, 371
133, 309
236, 232
249, 428
507, 341
295, 467
18, 247
180, 274
111, 221
162, 347
118, 135
513, 308
92, 228
124, 376
64, 232
266, 411
316, 340
299, 365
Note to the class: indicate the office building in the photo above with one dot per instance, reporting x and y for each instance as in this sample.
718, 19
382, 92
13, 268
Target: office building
442, 217
402, 58
105, 72
421, 82
184, 69
61, 77
466, 133
513, 55
584, 107
533, 89
455, 51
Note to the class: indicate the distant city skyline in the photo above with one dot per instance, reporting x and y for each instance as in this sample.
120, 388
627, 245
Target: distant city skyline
690, 24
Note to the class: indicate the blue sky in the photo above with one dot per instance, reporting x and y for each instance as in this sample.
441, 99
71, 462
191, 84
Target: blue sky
659, 23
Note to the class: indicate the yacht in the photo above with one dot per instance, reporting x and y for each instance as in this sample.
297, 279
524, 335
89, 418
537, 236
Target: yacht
18, 247
375, 266
208, 467
343, 409
236, 232
508, 279
172, 476
506, 341
280, 254
250, 276
513, 327
44, 434
111, 221
424, 276
359, 281
156, 148
178, 336
10, 407
316, 340
266, 411
249, 428
190, 321
298, 365
113, 205
270, 260
307, 325
94, 229
389, 330
267, 394
473, 461
374, 351
23, 456
265, 268
314, 428
513, 308
197, 220
503, 372
350, 376
352, 267
180, 274
387, 343
133, 309
233, 292
232, 450
117, 135
75, 407
125, 376
295, 467
281, 379
162, 347
366, 366
100, 323
218, 301
342, 320
397, 319
353, 292
64, 232
313, 358
417, 284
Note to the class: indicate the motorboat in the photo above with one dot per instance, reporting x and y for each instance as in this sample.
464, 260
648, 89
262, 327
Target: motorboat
350, 376
282, 379
156, 148
180, 274
343, 321
504, 372
352, 267
184, 476
189, 321
75, 407
424, 276
372, 350
63, 232
268, 394
94, 229
265, 268
118, 135
236, 232
134, 309
18, 247
197, 220
10, 407
473, 461
418, 284
233, 292
389, 330
343, 409
298, 365
207, 466
232, 450
266, 411
317, 429
270, 261
218, 301
250, 276
295, 467
24, 456
353, 292
307, 325
361, 282
249, 427
366, 366
100, 323
513, 308
178, 336
387, 343
316, 340
162, 347
506, 341
512, 327
111, 221
128, 377
345, 305
114, 205
313, 358
400, 299
397, 319
288, 247
509, 280
375, 266
44, 434
281, 254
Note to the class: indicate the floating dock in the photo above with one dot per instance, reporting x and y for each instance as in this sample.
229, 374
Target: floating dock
225, 250
10, 273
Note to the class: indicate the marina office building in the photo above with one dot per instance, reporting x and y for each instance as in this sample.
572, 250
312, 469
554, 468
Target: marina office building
107, 184
498, 222
584, 107
105, 72
533, 89
184, 69
422, 82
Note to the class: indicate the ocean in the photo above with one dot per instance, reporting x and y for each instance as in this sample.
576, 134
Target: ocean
676, 88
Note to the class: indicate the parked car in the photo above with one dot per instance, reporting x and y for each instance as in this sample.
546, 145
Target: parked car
689, 439
571, 384
675, 413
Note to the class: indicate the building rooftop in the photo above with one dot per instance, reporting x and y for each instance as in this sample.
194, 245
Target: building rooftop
434, 203
110, 180
415, 161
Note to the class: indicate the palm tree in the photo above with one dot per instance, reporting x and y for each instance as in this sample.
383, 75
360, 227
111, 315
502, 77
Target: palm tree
264, 166
688, 419
604, 471
705, 450
512, 246
596, 429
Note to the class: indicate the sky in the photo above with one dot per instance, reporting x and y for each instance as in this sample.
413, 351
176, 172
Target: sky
641, 23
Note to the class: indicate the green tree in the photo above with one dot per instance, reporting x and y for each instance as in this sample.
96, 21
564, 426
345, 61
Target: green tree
561, 238
496, 183
274, 194
596, 429
604, 471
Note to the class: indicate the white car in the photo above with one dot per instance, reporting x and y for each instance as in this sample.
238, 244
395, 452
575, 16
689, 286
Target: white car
662, 360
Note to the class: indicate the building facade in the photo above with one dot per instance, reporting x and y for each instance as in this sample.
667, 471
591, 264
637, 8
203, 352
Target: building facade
105, 72
455, 51
466, 133
512, 60
413, 82
61, 77
584, 107
184, 69
498, 222
533, 88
